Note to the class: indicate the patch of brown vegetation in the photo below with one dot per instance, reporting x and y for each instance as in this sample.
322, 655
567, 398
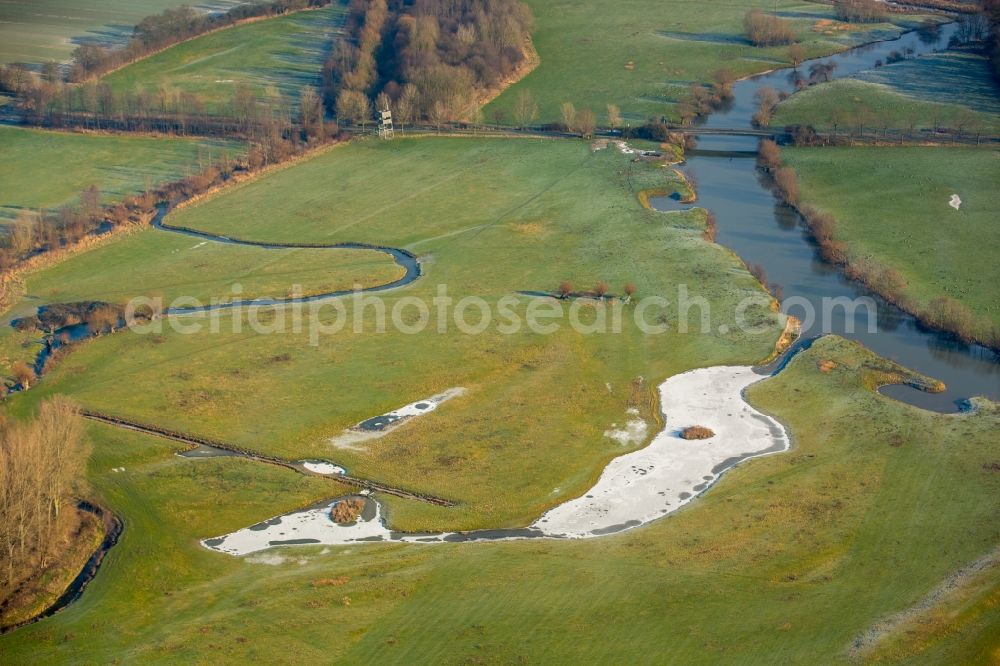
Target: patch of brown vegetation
331, 582
530, 228
78, 534
347, 510
697, 432
831, 27
826, 365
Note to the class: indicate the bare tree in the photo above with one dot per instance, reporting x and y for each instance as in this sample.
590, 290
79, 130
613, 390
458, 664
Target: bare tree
42, 463
796, 53
586, 123
568, 112
23, 374
614, 116
439, 114
767, 30
767, 98
23, 232
525, 108
406, 106
353, 107
311, 112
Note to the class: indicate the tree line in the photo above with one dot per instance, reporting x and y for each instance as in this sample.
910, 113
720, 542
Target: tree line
943, 312
42, 466
426, 59
98, 106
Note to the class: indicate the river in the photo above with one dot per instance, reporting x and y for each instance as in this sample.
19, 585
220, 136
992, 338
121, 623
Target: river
764, 231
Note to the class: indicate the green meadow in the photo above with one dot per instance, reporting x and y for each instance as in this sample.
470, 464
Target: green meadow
938, 250
488, 218
953, 89
35, 32
119, 165
643, 56
273, 56
788, 558
852, 547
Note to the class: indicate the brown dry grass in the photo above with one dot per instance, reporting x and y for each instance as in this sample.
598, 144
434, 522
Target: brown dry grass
697, 432
347, 511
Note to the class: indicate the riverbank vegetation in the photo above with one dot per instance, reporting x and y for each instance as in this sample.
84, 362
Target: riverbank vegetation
920, 253
763, 564
42, 465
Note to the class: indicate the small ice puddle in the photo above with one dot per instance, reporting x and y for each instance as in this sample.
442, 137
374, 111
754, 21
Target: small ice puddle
384, 423
322, 467
634, 489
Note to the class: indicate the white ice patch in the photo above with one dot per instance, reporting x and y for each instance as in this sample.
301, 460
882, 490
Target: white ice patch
955, 202
319, 467
625, 148
633, 432
309, 527
350, 438
272, 559
642, 486
634, 489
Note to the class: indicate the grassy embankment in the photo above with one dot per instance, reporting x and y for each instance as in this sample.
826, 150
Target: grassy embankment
35, 32
277, 55
790, 557
891, 205
953, 89
643, 55
489, 218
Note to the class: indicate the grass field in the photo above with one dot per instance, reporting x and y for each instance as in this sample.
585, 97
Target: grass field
776, 562
489, 218
118, 165
938, 250
275, 55
35, 32
951, 89
643, 55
